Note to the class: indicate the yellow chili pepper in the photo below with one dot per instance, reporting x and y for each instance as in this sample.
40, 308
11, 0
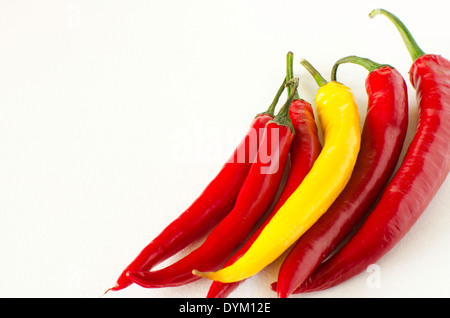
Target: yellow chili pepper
339, 119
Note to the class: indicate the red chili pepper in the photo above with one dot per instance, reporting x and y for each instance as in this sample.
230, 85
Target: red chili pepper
304, 150
423, 170
255, 197
213, 204
382, 139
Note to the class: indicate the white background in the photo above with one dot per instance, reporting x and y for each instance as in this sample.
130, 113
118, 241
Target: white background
114, 115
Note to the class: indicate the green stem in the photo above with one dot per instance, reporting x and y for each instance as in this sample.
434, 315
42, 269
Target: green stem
290, 73
282, 118
315, 74
413, 48
271, 109
364, 62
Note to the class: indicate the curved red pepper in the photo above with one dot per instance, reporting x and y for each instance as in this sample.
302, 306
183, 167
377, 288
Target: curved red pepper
303, 153
423, 170
213, 204
382, 139
255, 197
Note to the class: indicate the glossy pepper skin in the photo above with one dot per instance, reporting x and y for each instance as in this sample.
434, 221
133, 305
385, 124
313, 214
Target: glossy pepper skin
423, 170
382, 138
304, 150
255, 197
339, 119
213, 204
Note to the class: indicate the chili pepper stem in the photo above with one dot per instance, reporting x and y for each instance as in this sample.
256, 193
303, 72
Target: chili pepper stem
364, 62
315, 74
271, 109
282, 118
290, 73
413, 48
